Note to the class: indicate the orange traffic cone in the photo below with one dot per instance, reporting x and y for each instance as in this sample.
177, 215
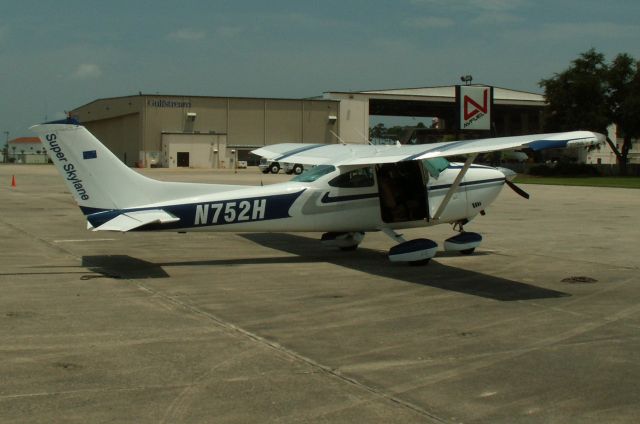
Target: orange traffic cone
13, 181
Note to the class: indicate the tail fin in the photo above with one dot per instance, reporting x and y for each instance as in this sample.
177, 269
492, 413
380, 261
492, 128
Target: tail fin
97, 179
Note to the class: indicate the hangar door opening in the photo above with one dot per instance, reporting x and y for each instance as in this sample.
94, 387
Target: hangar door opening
409, 122
183, 160
195, 150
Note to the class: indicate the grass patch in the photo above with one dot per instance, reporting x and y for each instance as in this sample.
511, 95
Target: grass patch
620, 182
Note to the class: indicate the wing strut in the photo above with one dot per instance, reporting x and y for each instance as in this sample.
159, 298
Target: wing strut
454, 186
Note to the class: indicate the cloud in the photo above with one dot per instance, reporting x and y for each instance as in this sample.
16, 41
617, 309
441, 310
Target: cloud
561, 31
477, 12
497, 18
471, 5
308, 21
87, 71
229, 31
429, 22
496, 5
590, 29
186, 34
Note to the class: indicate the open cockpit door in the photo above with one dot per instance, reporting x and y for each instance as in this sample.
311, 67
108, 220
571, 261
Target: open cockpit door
427, 189
402, 190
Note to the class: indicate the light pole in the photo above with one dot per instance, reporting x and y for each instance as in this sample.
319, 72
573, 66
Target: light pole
235, 161
6, 147
466, 79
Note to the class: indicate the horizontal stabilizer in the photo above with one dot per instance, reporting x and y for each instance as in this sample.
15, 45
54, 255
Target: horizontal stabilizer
131, 220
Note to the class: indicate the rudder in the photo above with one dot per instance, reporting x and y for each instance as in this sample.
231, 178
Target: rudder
96, 178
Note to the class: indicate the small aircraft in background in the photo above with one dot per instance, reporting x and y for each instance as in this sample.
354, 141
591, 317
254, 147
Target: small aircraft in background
347, 190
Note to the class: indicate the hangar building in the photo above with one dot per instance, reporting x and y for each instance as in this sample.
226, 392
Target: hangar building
213, 132
514, 112
204, 132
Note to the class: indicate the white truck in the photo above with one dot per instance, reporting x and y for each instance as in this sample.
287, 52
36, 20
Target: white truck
274, 167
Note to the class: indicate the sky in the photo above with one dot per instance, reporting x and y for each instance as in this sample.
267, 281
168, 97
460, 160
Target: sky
58, 55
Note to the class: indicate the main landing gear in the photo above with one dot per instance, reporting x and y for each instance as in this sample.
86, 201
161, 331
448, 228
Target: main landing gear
414, 252
420, 251
343, 241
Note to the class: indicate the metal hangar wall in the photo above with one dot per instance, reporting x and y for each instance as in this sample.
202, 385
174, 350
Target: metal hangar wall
212, 132
206, 132
514, 112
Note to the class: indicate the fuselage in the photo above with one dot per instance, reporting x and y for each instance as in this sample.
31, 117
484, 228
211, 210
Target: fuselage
346, 191
351, 199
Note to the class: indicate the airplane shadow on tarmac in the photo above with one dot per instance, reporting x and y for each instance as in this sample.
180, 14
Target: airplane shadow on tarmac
308, 250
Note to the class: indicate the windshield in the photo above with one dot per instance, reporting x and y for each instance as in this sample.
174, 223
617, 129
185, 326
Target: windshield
312, 174
435, 166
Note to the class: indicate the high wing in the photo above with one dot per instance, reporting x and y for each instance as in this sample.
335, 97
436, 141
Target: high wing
360, 154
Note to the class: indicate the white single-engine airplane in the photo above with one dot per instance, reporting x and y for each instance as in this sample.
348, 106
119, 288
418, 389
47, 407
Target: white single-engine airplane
349, 190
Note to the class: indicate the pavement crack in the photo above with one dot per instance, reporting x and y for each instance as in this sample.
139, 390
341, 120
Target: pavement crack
293, 355
239, 331
95, 390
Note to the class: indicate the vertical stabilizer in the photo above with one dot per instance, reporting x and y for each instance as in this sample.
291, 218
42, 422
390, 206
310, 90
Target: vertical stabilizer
95, 176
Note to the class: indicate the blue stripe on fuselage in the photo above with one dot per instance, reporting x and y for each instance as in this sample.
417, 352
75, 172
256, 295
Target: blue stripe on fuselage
327, 199
467, 183
223, 212
90, 211
473, 166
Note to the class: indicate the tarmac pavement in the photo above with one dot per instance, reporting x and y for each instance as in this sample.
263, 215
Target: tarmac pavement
241, 328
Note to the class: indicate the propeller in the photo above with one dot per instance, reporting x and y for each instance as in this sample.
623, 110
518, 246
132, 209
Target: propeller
510, 175
517, 189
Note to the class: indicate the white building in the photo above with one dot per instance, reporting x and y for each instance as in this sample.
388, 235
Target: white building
604, 155
26, 150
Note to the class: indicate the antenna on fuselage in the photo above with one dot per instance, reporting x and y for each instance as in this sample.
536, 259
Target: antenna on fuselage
364, 138
338, 137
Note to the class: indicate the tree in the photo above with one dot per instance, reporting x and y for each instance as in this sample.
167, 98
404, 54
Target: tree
576, 96
591, 95
623, 100
377, 131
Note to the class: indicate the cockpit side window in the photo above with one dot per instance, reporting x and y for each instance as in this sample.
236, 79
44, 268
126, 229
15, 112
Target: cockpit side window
309, 176
435, 166
361, 177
